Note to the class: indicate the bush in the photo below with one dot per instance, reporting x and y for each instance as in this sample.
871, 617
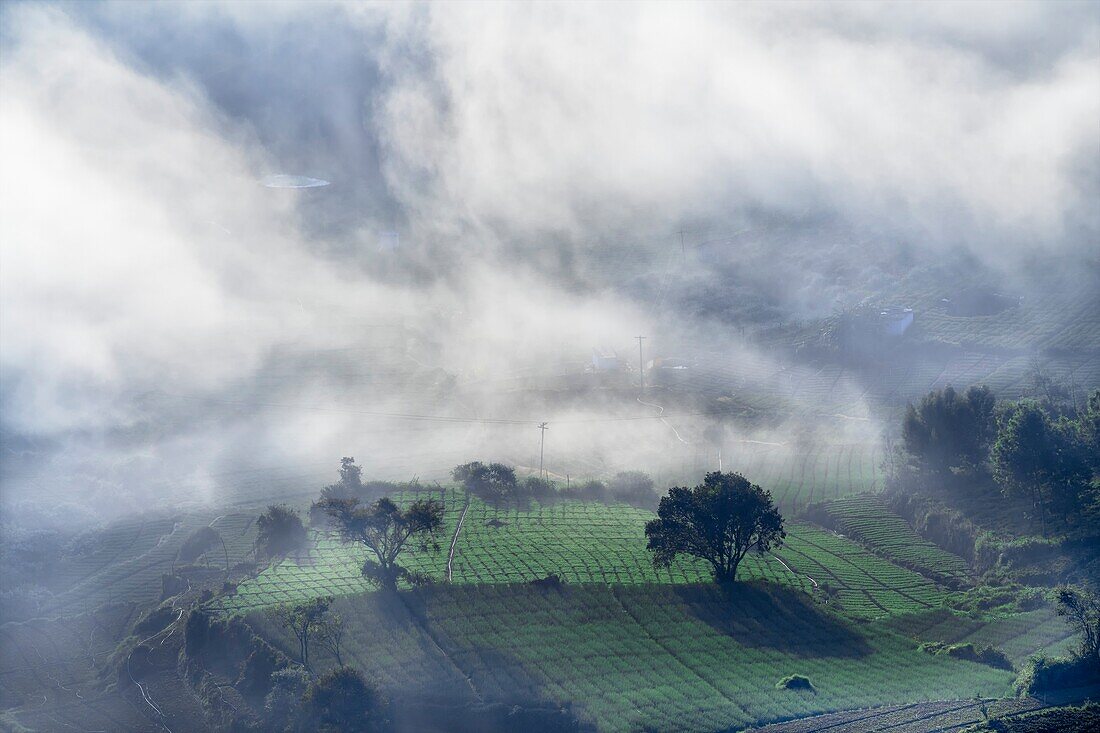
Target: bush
342, 701
633, 487
536, 488
987, 655
279, 531
593, 490
493, 482
1042, 675
282, 704
795, 682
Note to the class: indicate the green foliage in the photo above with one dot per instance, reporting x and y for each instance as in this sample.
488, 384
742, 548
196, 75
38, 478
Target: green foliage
719, 521
1040, 459
384, 529
632, 487
1042, 675
306, 621
1082, 609
591, 543
795, 682
948, 431
494, 483
350, 485
341, 701
279, 531
986, 655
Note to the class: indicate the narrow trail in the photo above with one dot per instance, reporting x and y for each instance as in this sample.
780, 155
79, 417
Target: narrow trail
454, 540
666, 422
792, 572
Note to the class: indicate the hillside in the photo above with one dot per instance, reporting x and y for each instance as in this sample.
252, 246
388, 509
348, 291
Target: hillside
642, 657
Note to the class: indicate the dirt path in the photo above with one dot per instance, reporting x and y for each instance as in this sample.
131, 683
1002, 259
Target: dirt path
454, 540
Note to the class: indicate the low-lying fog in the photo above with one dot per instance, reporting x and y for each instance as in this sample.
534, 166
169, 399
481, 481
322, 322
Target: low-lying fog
511, 189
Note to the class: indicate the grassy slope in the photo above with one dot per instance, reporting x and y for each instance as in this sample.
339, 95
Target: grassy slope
593, 543
1018, 635
867, 519
634, 657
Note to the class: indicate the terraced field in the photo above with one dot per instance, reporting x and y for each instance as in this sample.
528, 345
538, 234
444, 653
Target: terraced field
797, 478
593, 543
133, 573
644, 657
866, 518
1018, 635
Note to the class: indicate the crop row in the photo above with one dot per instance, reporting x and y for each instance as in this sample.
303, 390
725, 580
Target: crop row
651, 657
593, 543
1017, 635
868, 520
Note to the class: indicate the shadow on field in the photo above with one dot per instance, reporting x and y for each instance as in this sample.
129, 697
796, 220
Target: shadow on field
759, 615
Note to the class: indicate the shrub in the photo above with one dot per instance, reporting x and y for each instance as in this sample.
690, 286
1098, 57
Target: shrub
279, 531
1042, 675
795, 682
987, 655
285, 699
341, 700
633, 487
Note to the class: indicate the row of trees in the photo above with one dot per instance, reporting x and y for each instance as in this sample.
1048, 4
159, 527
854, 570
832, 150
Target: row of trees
1033, 448
497, 484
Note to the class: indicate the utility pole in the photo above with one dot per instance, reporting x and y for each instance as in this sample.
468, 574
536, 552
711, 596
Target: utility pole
641, 364
542, 446
683, 249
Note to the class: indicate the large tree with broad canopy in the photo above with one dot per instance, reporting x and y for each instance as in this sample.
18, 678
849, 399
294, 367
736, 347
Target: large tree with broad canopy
719, 521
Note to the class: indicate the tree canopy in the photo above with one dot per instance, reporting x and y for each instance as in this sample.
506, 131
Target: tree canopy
341, 701
385, 529
719, 521
279, 531
950, 431
492, 482
1041, 459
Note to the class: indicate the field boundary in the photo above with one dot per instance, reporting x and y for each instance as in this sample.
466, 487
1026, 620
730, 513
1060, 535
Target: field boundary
454, 540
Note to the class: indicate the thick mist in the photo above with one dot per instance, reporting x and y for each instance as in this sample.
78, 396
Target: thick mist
509, 187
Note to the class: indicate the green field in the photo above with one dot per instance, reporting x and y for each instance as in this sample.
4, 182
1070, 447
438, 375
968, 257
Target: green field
642, 657
1018, 635
589, 542
866, 518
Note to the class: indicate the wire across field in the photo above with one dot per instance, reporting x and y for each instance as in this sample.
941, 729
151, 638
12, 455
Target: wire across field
641, 657
591, 543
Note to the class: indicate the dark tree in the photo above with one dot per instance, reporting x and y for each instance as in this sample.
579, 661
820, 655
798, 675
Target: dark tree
279, 531
632, 487
493, 482
283, 702
539, 489
385, 529
330, 635
1040, 459
306, 621
341, 701
719, 521
350, 484
1082, 609
949, 431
